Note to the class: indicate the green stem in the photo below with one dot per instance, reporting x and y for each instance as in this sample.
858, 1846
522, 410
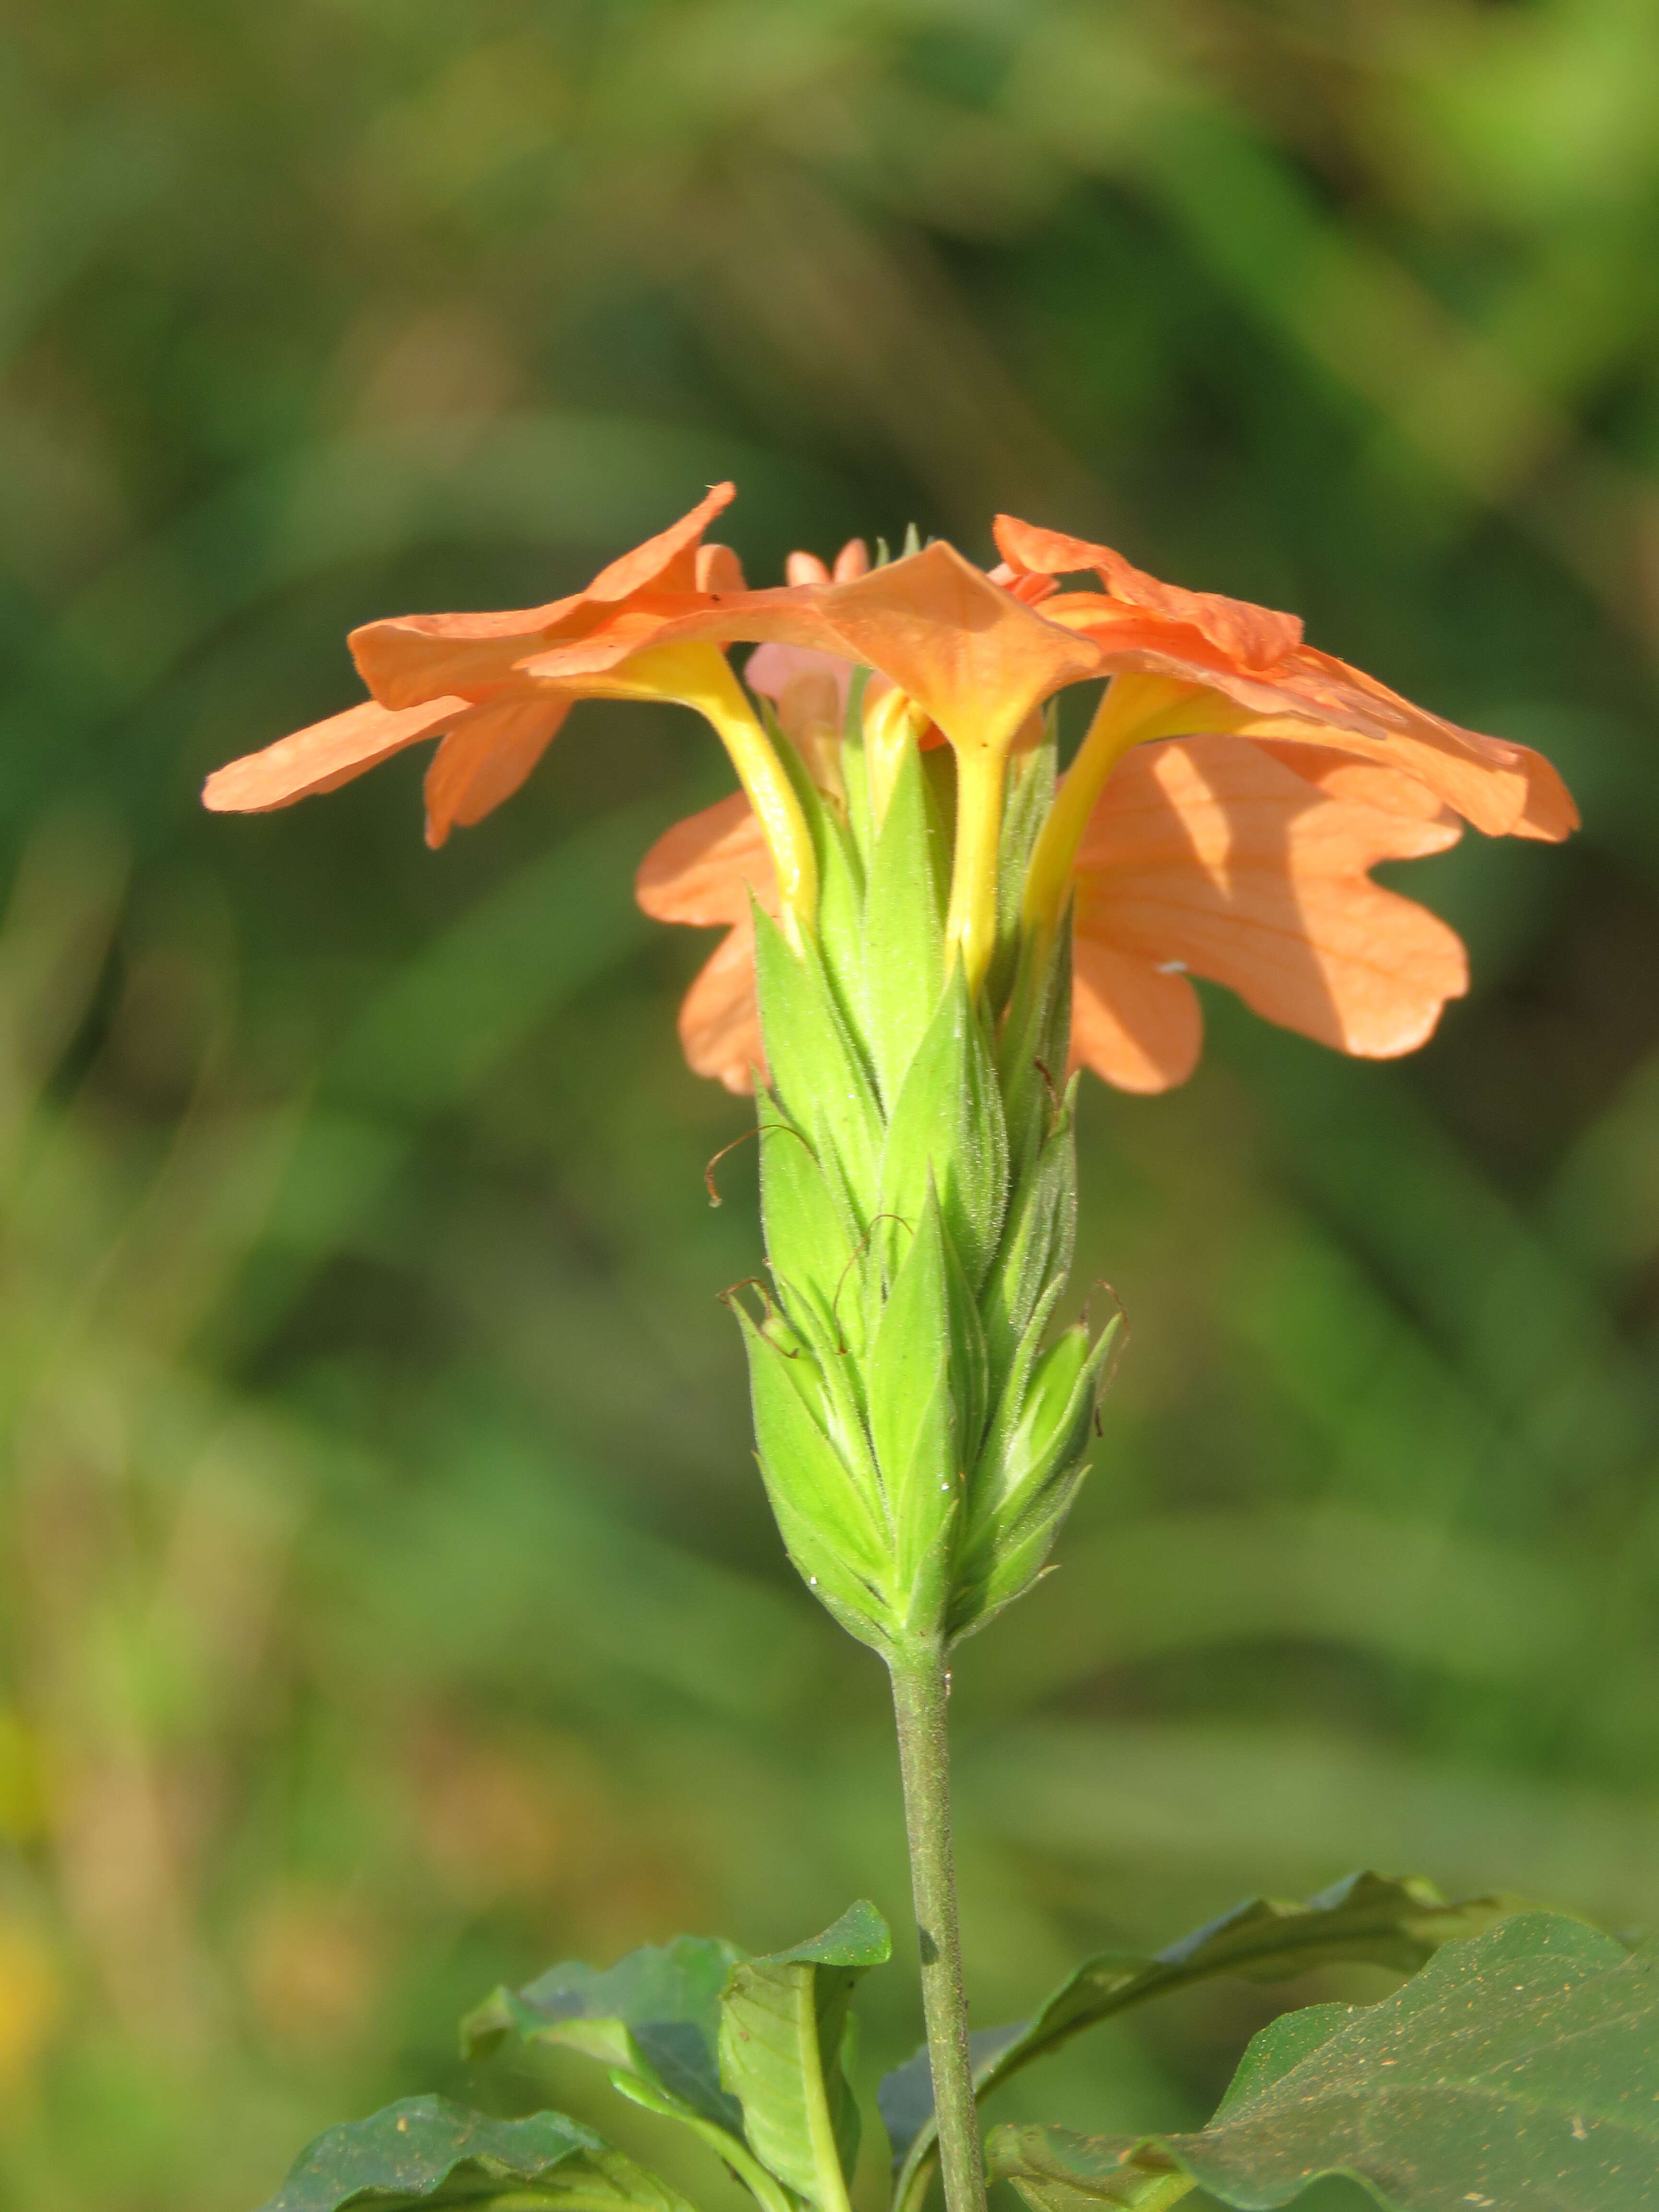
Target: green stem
921, 1685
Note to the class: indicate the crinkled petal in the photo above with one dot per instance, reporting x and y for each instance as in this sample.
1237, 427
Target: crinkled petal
1254, 637
1207, 852
1254, 656
409, 657
1138, 1027
1343, 776
323, 756
485, 758
973, 656
1504, 789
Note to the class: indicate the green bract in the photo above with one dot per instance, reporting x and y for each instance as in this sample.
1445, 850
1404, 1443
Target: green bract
920, 1435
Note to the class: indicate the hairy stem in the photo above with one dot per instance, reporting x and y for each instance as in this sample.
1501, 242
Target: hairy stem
920, 1684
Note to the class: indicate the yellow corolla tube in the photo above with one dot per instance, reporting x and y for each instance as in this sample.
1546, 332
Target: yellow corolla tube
700, 676
970, 929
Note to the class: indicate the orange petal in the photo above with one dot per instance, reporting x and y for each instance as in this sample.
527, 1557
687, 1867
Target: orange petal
1310, 698
720, 1019
486, 757
852, 560
325, 756
1255, 658
1504, 790
1207, 852
409, 657
1343, 776
973, 658
1138, 1028
804, 568
1255, 637
719, 569
703, 869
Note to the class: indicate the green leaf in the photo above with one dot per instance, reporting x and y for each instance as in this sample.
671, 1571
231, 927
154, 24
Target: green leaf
1371, 1919
428, 2152
654, 2015
841, 886
784, 2032
1035, 1046
1519, 2070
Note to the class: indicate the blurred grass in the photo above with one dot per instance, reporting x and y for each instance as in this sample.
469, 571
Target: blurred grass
390, 1604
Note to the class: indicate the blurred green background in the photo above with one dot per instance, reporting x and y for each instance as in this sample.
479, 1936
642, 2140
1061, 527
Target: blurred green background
390, 1604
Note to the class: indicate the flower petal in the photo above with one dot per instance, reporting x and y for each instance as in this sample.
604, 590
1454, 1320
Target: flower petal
667, 563
1208, 852
409, 657
719, 569
703, 869
324, 755
720, 1021
971, 655
1138, 1028
485, 758
773, 670
1504, 789
1342, 776
1255, 659
1255, 637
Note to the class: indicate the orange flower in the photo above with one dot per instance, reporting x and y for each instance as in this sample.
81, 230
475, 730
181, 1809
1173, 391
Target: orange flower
479, 682
454, 675
1188, 849
1259, 680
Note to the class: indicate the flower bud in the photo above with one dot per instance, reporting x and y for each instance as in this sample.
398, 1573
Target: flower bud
920, 1445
